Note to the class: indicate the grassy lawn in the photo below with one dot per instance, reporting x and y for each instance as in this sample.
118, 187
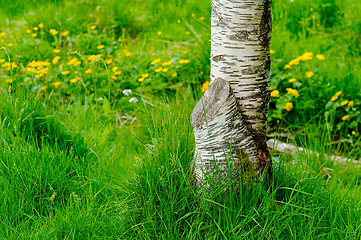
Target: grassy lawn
95, 138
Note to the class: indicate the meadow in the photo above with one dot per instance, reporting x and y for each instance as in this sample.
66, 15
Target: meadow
95, 138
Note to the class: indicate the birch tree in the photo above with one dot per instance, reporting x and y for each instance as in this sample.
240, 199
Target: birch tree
229, 122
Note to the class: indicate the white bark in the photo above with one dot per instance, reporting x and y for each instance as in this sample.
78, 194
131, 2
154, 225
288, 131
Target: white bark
241, 33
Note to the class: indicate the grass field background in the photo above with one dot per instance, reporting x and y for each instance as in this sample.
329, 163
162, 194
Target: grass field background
95, 139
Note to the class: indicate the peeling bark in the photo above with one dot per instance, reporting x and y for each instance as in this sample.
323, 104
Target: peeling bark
237, 113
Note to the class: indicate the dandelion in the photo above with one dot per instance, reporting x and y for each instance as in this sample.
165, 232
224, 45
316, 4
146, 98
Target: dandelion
167, 63
335, 97
140, 79
343, 103
288, 106
114, 69
188, 33
35, 28
89, 71
114, 77
100, 47
71, 62
165, 70
353, 132
61, 65
34, 35
44, 88
2, 60
184, 52
272, 51
41, 25
320, 57
9, 80
174, 74
109, 61
275, 93
128, 54
133, 100
344, 118
160, 33
205, 85
178, 21
74, 80
309, 74
193, 15
196, 44
55, 60
294, 92
350, 103
125, 50
56, 84
56, 51
145, 75
77, 63
184, 61
28, 31
65, 33
117, 72
127, 92
201, 18
53, 31
10, 44
158, 69
287, 66
65, 72
155, 61
2, 34
92, 27
292, 80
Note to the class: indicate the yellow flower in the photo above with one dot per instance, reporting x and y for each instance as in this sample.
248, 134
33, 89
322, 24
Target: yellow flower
114, 69
114, 77
155, 61
350, 103
74, 80
294, 92
160, 32
2, 34
56, 84
344, 118
165, 70
140, 79
71, 62
178, 21
353, 132
34, 35
196, 44
343, 103
65, 33
272, 51
289, 106
184, 61
188, 33
174, 74
309, 74
41, 25
2, 60
61, 65
193, 15
92, 27
117, 72
89, 71
109, 61
53, 31
44, 88
56, 50
158, 69
145, 75
167, 63
184, 52
28, 31
10, 44
77, 63
320, 57
201, 18
333, 98
205, 85
9, 80
55, 60
271, 88
100, 47
65, 72
292, 80
287, 66
275, 93
35, 28
125, 50
128, 54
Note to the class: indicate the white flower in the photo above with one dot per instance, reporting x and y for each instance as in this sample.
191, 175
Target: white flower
127, 92
133, 100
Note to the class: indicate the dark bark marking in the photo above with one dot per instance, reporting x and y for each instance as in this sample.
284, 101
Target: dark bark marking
240, 36
266, 24
218, 58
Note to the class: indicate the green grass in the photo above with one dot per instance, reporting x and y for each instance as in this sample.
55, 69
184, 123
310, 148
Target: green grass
73, 166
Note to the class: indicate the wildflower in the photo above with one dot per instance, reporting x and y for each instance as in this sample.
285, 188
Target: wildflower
350, 103
184, 61
10, 44
125, 50
9, 80
109, 61
65, 72
167, 63
28, 31
275, 93
140, 79
165, 70
343, 103
114, 77
34, 35
155, 61
89, 71
74, 80
127, 92
353, 132
178, 21
41, 25
294, 92
344, 118
56, 84
114, 69
65, 33
160, 32
196, 44
133, 100
271, 88
289, 106
117, 72
193, 15
320, 57
145, 75
2, 60
174, 74
188, 33
128, 54
205, 85
44, 88
77, 63
335, 97
61, 66
56, 51
309, 74
35, 28
184, 52
2, 34
53, 31
71, 62
92, 27
292, 80
287, 66
158, 69
272, 51
100, 47
55, 60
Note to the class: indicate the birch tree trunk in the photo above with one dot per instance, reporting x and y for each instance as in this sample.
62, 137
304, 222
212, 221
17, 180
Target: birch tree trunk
229, 122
